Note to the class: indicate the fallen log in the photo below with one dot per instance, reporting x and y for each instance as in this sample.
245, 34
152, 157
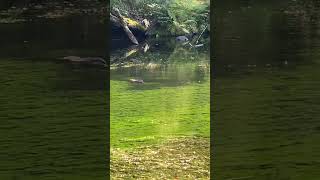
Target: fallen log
125, 27
132, 24
133, 29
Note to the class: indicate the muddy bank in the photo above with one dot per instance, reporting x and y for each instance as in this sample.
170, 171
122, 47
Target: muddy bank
22, 12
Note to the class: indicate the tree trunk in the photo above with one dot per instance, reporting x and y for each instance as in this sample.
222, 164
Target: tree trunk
124, 25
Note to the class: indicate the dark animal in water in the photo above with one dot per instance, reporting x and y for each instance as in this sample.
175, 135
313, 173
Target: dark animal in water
139, 81
86, 60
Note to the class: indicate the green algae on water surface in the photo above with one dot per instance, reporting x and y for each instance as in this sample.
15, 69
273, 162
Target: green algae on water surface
160, 129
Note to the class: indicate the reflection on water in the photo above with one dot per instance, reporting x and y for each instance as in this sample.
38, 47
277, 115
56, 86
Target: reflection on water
266, 101
82, 36
52, 114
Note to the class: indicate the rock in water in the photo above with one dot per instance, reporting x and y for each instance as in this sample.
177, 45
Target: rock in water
182, 38
146, 23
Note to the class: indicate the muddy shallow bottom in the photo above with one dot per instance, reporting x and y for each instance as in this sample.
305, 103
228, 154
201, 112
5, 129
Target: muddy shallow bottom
177, 158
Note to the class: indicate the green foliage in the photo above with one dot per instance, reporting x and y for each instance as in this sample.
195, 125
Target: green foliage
173, 16
188, 16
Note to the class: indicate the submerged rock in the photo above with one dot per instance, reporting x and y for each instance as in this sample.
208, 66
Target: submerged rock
186, 38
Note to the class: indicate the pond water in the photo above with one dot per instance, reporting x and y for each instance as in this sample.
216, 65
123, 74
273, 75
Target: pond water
173, 101
266, 94
52, 113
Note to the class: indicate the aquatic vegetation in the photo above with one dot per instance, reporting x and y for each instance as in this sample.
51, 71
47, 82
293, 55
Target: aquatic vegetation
52, 120
157, 112
266, 100
161, 127
52, 113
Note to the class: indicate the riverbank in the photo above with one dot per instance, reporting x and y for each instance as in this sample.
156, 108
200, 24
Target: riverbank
52, 10
177, 158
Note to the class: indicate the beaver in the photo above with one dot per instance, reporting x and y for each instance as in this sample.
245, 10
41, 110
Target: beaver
86, 60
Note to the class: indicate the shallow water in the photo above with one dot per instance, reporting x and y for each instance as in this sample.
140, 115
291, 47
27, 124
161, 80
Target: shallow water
52, 113
173, 101
266, 94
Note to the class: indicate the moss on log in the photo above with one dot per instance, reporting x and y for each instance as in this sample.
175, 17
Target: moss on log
126, 25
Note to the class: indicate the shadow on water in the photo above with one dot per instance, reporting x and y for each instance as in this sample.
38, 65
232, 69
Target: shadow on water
56, 38
52, 113
266, 90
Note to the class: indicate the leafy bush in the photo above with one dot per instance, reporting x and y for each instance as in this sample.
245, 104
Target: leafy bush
174, 17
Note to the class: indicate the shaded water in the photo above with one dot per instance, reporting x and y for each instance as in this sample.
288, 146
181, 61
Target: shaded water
52, 113
266, 95
173, 101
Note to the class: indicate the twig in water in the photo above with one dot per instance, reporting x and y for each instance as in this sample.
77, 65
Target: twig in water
201, 34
